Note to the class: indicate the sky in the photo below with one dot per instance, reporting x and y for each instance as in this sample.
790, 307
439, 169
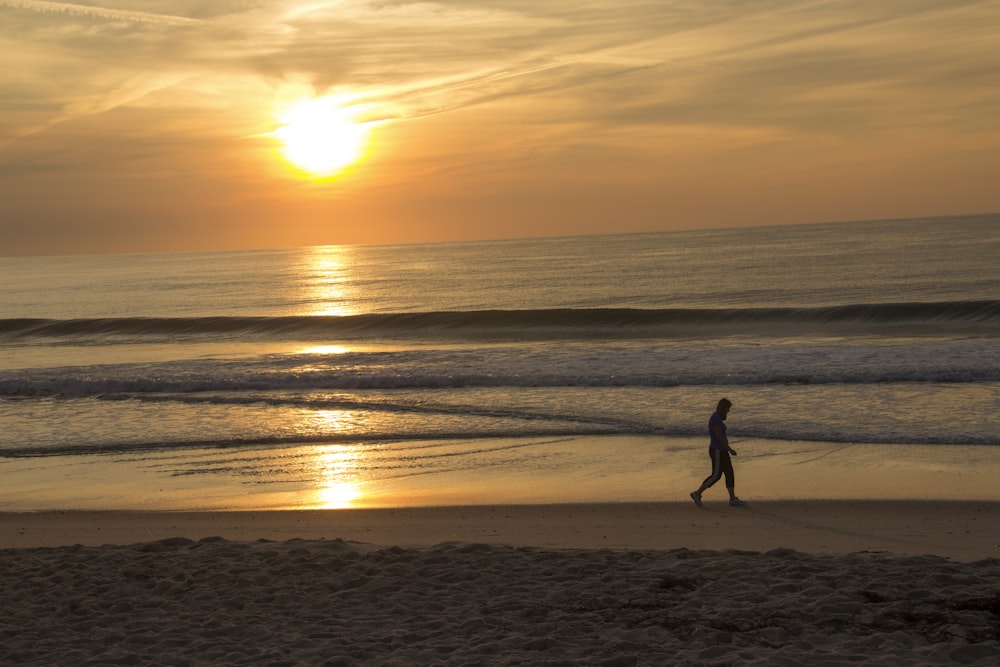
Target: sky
169, 125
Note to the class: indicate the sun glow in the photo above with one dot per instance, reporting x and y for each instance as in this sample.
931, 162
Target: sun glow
322, 137
339, 486
327, 280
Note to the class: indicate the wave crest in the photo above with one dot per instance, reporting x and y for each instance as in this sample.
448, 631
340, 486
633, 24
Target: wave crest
897, 318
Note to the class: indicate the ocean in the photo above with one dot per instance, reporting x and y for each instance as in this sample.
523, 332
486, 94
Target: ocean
536, 370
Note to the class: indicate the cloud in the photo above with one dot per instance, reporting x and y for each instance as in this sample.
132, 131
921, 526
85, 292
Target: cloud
90, 11
102, 102
786, 63
828, 67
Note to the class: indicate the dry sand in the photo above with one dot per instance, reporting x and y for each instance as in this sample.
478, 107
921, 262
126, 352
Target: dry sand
818, 583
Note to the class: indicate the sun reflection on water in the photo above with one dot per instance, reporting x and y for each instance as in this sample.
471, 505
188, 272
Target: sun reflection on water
329, 291
328, 281
339, 487
325, 349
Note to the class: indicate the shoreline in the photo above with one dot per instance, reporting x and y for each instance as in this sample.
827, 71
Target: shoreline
578, 470
959, 530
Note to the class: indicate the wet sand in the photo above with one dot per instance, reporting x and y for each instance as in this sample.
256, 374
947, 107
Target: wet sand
963, 530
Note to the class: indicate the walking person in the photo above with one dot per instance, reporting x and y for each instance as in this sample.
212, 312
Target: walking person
720, 452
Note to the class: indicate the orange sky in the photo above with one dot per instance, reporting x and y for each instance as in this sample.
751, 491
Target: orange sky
132, 126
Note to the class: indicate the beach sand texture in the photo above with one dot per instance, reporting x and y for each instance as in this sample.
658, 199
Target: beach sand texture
453, 596
332, 603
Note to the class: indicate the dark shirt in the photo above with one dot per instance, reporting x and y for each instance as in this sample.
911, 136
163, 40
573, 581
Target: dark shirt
716, 420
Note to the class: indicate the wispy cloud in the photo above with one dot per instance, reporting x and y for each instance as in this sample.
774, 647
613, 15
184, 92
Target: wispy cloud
127, 92
89, 11
653, 63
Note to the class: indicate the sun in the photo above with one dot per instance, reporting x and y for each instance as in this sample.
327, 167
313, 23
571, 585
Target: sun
321, 136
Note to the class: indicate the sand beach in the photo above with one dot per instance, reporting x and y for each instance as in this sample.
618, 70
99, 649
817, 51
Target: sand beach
812, 582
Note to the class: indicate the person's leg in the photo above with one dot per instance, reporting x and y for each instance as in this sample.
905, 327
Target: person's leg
727, 470
715, 456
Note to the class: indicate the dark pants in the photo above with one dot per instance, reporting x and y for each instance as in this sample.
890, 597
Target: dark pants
722, 464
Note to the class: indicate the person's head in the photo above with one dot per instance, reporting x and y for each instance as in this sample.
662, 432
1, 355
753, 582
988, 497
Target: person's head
723, 407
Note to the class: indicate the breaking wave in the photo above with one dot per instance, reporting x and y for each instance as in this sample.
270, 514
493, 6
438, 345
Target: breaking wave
897, 318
